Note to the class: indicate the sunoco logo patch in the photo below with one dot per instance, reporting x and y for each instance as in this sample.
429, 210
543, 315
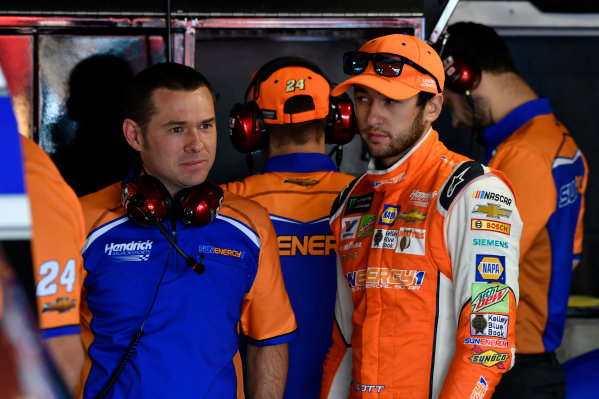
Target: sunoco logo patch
489, 358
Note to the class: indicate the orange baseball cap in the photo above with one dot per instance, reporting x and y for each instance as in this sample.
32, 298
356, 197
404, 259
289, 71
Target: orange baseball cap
287, 82
410, 82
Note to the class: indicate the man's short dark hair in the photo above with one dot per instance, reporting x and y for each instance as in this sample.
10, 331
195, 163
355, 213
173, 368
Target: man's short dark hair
480, 44
298, 133
139, 105
423, 98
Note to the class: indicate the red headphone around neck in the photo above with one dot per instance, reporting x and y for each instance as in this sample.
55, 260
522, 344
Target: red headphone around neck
147, 201
248, 131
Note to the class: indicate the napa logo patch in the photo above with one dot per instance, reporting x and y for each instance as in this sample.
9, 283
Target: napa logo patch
389, 215
491, 297
490, 268
489, 358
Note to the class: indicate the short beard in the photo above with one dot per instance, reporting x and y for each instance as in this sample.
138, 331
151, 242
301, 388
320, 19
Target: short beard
400, 145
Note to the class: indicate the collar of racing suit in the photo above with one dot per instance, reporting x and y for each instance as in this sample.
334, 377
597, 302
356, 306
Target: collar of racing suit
413, 162
495, 134
300, 163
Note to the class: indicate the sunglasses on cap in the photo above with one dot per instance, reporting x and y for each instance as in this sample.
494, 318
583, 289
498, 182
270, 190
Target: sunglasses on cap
385, 64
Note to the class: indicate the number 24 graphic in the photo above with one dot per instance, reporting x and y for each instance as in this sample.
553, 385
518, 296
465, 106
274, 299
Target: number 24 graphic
50, 270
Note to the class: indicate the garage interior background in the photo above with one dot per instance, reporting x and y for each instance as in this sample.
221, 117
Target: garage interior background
554, 45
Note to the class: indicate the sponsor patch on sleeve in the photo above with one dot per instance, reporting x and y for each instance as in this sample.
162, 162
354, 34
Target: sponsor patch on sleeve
490, 297
490, 268
480, 389
489, 358
489, 325
490, 225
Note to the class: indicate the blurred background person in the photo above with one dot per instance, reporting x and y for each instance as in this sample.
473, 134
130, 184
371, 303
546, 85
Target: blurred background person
524, 140
289, 100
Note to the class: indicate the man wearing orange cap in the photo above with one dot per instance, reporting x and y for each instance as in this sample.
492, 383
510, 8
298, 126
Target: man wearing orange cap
298, 186
428, 245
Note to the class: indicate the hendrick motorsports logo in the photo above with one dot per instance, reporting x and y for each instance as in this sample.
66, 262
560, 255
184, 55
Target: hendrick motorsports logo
133, 251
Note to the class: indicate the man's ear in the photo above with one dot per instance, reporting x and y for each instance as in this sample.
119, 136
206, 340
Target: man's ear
133, 134
434, 108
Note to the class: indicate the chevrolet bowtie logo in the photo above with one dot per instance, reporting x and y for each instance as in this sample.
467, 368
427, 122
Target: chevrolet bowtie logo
412, 216
492, 211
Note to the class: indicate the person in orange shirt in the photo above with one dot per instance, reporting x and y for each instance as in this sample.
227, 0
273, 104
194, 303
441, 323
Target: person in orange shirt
297, 186
428, 244
58, 237
50, 272
523, 139
174, 267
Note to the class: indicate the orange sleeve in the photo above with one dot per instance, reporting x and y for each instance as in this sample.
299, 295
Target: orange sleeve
534, 189
266, 316
464, 381
58, 237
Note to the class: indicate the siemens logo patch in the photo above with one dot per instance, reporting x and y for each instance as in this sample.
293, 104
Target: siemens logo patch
488, 195
490, 243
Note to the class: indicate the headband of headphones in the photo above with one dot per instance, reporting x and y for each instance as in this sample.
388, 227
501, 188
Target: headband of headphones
265, 98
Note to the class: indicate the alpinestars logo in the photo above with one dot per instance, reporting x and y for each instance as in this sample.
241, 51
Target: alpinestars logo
134, 251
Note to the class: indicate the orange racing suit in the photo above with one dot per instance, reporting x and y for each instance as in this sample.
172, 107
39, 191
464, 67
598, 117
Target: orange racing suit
428, 279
